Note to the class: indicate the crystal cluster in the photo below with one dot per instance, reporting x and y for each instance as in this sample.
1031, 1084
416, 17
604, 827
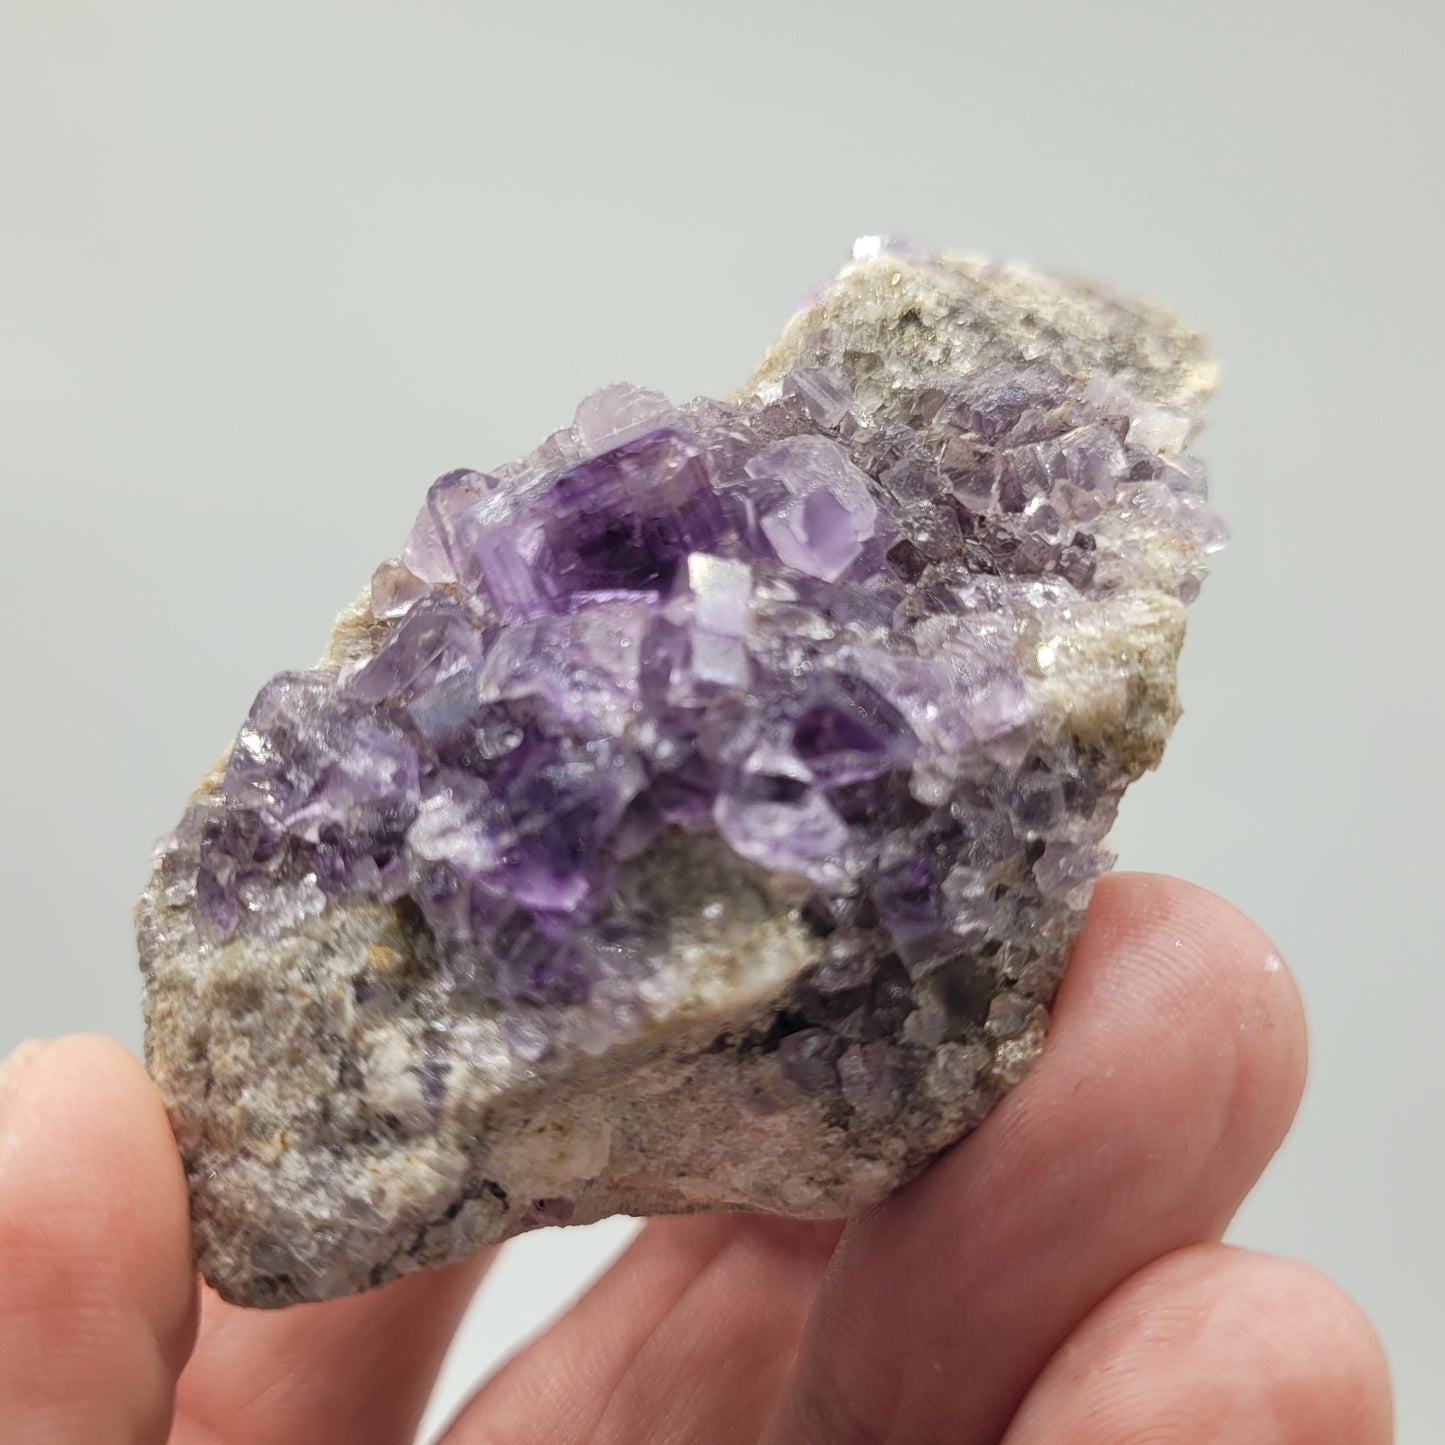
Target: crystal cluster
738, 764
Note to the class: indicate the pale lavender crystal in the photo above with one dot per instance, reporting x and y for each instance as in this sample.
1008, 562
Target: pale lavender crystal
395, 588
824, 391
793, 832
619, 413
812, 629
827, 514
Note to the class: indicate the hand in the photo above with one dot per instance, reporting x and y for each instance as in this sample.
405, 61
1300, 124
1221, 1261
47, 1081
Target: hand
1055, 1278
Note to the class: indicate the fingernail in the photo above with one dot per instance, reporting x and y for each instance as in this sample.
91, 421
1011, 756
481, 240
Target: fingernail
13, 1064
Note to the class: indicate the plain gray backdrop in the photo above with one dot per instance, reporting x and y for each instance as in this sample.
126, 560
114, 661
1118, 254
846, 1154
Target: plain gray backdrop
269, 268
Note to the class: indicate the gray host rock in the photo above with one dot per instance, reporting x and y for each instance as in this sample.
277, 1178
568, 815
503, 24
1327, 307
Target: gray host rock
697, 813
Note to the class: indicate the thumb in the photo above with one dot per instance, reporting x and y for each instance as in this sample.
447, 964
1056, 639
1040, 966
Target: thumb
97, 1294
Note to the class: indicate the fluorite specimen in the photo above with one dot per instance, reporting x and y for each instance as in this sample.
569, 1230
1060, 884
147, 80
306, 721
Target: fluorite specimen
698, 812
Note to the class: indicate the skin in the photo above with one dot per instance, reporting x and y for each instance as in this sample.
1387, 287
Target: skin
1056, 1277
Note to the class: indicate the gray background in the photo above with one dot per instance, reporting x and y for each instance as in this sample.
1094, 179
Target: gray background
267, 269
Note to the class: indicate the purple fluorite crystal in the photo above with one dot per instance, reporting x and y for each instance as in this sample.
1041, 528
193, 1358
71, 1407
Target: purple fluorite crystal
699, 626
823, 633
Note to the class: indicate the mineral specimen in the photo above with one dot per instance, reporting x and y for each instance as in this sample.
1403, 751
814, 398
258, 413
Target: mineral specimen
698, 812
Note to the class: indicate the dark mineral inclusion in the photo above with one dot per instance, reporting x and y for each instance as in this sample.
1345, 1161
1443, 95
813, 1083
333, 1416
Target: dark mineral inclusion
699, 811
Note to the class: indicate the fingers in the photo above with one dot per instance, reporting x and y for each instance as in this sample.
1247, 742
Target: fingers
358, 1369
686, 1339
1215, 1344
1172, 1071
97, 1298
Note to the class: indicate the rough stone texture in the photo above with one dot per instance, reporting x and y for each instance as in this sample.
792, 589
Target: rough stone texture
698, 812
